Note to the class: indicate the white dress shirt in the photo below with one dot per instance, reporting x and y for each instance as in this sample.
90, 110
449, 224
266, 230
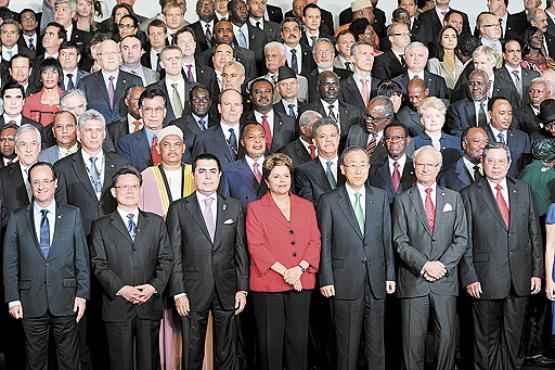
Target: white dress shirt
225, 128
333, 166
419, 75
245, 29
351, 193
9, 53
470, 167
299, 53
106, 76
180, 90
123, 214
496, 133
16, 119
213, 206
51, 216
477, 109
519, 70
251, 161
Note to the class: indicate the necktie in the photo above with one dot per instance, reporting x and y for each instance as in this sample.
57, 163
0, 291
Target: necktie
477, 173
95, 175
177, 104
359, 213
502, 204
482, 118
158, 62
313, 40
259, 26
518, 84
372, 144
190, 73
256, 171
27, 185
501, 138
242, 40
365, 91
331, 113
329, 175
137, 125
131, 226
70, 84
209, 217
312, 150
202, 124
292, 113
348, 66
31, 44
501, 26
294, 63
44, 237
111, 91
430, 209
396, 177
267, 131
232, 141
208, 34
154, 153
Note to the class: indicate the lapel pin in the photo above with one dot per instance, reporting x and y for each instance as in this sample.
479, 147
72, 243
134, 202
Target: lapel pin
224, 207
59, 216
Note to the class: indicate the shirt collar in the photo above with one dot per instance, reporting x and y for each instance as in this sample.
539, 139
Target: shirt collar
51, 207
401, 161
251, 161
123, 214
87, 157
201, 197
422, 188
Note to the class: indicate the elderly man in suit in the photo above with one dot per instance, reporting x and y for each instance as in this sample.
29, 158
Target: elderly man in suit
503, 263
430, 236
275, 62
64, 129
408, 115
355, 225
46, 272
131, 50
106, 88
216, 281
69, 56
528, 116
303, 149
131, 292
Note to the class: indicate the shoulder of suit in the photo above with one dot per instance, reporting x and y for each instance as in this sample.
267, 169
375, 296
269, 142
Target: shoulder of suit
150, 216
376, 191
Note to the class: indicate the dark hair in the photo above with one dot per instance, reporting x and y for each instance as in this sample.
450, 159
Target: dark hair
274, 160
28, 10
13, 22
289, 20
126, 170
185, 29
358, 27
119, 6
158, 23
133, 17
99, 37
70, 45
134, 36
389, 88
343, 33
59, 113
196, 87
213, 51
396, 124
39, 164
467, 44
22, 55
466, 131
50, 63
258, 80
349, 150
527, 38
10, 85
492, 101
206, 157
504, 44
478, 25
8, 126
151, 93
62, 34
245, 128
440, 51
311, 6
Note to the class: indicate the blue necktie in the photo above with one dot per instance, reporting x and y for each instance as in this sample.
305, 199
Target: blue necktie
294, 63
44, 237
501, 137
131, 226
292, 113
232, 141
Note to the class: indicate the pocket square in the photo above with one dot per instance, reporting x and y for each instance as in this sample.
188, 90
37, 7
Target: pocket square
229, 221
447, 207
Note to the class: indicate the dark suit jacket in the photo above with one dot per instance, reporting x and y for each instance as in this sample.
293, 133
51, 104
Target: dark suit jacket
283, 129
257, 40
46, 135
519, 146
75, 188
204, 269
213, 141
526, 120
516, 26
170, 114
207, 77
326, 26
550, 37
117, 130
311, 181
416, 244
135, 148
430, 25
244, 56
346, 16
274, 13
350, 259
456, 177
191, 130
272, 30
350, 94
387, 66
358, 136
502, 260
12, 191
313, 91
97, 95
202, 43
80, 75
297, 152
460, 115
504, 86
238, 182
117, 261
380, 177
46, 286
434, 83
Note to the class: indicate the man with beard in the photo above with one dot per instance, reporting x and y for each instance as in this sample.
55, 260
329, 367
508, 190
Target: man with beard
408, 114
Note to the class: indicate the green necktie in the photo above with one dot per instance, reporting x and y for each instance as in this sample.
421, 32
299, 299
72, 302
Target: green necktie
329, 175
359, 213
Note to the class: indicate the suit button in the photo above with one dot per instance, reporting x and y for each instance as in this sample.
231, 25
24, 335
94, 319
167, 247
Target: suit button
291, 232
363, 260
294, 254
293, 242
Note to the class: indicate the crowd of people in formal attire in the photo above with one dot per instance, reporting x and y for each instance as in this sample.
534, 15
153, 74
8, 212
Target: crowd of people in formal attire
261, 190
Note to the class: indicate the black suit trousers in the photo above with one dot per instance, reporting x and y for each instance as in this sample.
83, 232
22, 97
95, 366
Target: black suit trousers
498, 332
37, 333
416, 315
282, 329
194, 336
352, 319
134, 344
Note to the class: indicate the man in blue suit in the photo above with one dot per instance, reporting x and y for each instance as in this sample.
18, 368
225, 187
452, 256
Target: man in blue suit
242, 179
105, 89
141, 148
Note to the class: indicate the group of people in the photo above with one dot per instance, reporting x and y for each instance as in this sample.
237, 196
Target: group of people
259, 190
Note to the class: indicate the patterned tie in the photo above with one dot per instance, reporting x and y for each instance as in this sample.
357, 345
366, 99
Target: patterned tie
331, 113
267, 131
256, 171
209, 217
329, 175
190, 73
137, 125
482, 118
27, 185
372, 144
242, 40
177, 104
292, 113
31, 44
111, 91
430, 209
294, 63
154, 153
44, 237
312, 150
232, 141
348, 66
501, 138
396, 177
70, 84
208, 34
518, 84
502, 204
95, 175
477, 173
359, 213
365, 91
131, 226
202, 124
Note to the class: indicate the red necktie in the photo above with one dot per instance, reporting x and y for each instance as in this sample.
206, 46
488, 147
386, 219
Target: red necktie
267, 131
430, 209
502, 204
256, 171
154, 153
312, 149
396, 177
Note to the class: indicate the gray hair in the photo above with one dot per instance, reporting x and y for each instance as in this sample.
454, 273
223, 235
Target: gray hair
69, 94
540, 80
91, 115
358, 44
385, 102
433, 103
416, 45
72, 3
324, 121
274, 45
428, 148
27, 128
487, 52
480, 72
236, 63
349, 150
323, 40
494, 146
307, 117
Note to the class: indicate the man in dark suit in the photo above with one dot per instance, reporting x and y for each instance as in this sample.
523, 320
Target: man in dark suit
132, 296
312, 22
356, 231
10, 32
222, 139
64, 129
64, 14
513, 26
246, 35
289, 90
20, 69
321, 175
157, 32
303, 149
396, 173
361, 86
503, 263
527, 116
69, 57
46, 272
106, 88
416, 57
133, 122
279, 129
274, 13
204, 27
468, 168
408, 115
7, 145
216, 281
346, 17
430, 237
391, 63
258, 18
326, 26
242, 179
140, 148
299, 58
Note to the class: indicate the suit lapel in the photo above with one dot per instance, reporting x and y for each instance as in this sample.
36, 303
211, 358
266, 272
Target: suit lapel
355, 93
121, 87
31, 226
109, 170
345, 205
118, 224
440, 203
82, 174
417, 203
489, 199
101, 88
58, 230
194, 208
514, 200
221, 216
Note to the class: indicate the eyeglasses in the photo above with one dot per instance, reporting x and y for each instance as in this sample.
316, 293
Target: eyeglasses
424, 165
406, 34
356, 166
11, 139
394, 139
127, 187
